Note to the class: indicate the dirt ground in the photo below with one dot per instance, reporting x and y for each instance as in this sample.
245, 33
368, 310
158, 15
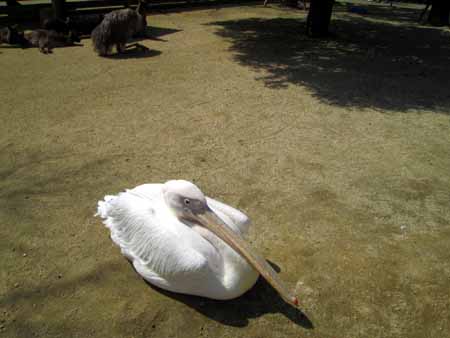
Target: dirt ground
338, 150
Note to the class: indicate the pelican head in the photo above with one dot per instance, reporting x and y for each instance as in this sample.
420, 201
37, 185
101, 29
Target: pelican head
185, 199
188, 203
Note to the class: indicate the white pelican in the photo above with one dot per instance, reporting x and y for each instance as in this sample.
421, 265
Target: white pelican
182, 241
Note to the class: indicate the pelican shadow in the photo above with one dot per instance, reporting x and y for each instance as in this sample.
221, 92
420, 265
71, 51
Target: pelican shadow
258, 301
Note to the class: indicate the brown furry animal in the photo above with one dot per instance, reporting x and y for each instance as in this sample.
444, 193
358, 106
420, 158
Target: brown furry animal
11, 36
83, 24
117, 28
46, 40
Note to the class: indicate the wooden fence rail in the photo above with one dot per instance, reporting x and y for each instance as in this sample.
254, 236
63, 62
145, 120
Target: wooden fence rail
24, 10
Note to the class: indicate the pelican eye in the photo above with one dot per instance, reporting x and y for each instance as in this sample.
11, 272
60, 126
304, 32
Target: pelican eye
187, 201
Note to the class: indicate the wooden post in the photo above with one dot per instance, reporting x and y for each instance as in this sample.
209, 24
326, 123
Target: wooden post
439, 13
319, 17
427, 5
12, 9
58, 9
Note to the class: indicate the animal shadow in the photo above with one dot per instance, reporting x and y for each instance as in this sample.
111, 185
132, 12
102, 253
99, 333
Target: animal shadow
135, 52
155, 33
259, 300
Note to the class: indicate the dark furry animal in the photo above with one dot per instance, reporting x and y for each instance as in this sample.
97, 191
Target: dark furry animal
63, 27
84, 24
5, 34
57, 25
46, 40
45, 14
117, 28
11, 36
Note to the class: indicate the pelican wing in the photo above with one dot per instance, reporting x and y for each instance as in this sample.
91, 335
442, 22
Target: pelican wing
142, 229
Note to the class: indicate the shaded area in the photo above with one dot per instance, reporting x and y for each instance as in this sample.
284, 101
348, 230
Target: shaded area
155, 33
261, 299
51, 289
368, 64
19, 304
398, 12
135, 52
36, 176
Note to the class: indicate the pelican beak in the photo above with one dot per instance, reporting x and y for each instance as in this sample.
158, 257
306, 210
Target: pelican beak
212, 222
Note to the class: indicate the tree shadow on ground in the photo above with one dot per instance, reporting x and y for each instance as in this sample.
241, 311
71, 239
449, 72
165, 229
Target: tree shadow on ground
18, 304
258, 301
27, 179
384, 11
385, 66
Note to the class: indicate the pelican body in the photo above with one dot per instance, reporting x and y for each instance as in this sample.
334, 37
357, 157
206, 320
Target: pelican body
182, 241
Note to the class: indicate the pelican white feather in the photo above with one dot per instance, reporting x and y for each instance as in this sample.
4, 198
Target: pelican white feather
164, 230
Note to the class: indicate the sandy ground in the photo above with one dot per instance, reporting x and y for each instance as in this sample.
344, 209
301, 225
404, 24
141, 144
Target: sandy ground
338, 150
